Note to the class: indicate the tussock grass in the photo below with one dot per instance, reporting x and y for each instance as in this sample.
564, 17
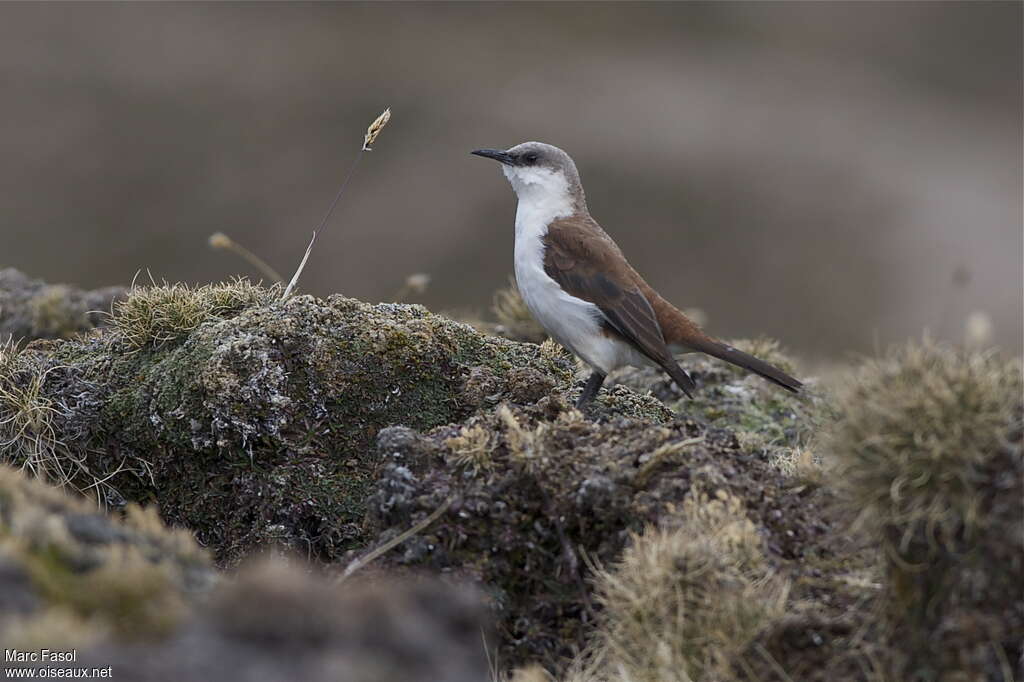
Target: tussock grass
157, 315
27, 432
32, 423
928, 459
685, 603
916, 426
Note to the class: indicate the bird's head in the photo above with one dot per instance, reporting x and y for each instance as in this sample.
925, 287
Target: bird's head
538, 171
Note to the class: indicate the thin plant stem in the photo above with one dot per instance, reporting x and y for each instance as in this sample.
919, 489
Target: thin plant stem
222, 241
371, 136
323, 224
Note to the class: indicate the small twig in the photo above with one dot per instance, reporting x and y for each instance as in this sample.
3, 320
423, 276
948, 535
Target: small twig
219, 240
394, 542
371, 134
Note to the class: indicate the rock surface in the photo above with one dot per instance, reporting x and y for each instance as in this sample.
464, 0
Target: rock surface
32, 309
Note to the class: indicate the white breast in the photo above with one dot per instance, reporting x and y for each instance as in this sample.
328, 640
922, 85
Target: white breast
571, 321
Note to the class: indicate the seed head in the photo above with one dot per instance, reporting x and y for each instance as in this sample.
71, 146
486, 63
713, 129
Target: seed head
219, 240
374, 130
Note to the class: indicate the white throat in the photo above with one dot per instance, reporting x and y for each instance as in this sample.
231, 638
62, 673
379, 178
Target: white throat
543, 196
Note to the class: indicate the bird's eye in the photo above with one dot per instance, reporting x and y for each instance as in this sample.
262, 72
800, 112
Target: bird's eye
530, 157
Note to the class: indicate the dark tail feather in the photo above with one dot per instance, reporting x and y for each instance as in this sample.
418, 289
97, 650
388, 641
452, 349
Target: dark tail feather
682, 379
749, 362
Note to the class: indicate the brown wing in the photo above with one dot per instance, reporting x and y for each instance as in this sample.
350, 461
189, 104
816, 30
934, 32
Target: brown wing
588, 265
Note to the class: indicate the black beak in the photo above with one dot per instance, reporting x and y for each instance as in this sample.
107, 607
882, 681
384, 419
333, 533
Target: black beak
496, 154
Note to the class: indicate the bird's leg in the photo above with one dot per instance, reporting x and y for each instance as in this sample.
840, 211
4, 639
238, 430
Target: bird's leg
590, 390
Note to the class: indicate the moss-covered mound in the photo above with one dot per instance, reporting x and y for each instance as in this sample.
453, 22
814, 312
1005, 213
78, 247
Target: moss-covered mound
131, 595
279, 621
540, 494
32, 309
71, 575
333, 426
250, 419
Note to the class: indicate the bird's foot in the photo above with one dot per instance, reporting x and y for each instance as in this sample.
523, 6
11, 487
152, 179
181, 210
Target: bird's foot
590, 390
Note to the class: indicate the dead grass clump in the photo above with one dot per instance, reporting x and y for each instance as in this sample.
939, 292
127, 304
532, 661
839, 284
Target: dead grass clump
685, 603
158, 315
471, 448
928, 455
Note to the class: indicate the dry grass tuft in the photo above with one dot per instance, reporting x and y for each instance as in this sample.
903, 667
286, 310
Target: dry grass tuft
157, 315
928, 458
916, 427
685, 603
525, 445
32, 423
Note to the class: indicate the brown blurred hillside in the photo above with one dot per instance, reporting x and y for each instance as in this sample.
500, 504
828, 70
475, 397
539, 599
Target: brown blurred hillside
832, 175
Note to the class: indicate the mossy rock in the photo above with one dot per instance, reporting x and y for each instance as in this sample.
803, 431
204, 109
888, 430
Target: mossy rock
32, 309
251, 420
132, 594
70, 574
540, 494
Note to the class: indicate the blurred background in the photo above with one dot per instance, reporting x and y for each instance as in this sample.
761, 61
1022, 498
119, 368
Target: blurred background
839, 176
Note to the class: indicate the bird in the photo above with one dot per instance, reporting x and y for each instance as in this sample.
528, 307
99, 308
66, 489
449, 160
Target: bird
579, 286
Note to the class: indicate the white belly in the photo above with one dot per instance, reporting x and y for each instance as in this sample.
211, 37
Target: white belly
573, 322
